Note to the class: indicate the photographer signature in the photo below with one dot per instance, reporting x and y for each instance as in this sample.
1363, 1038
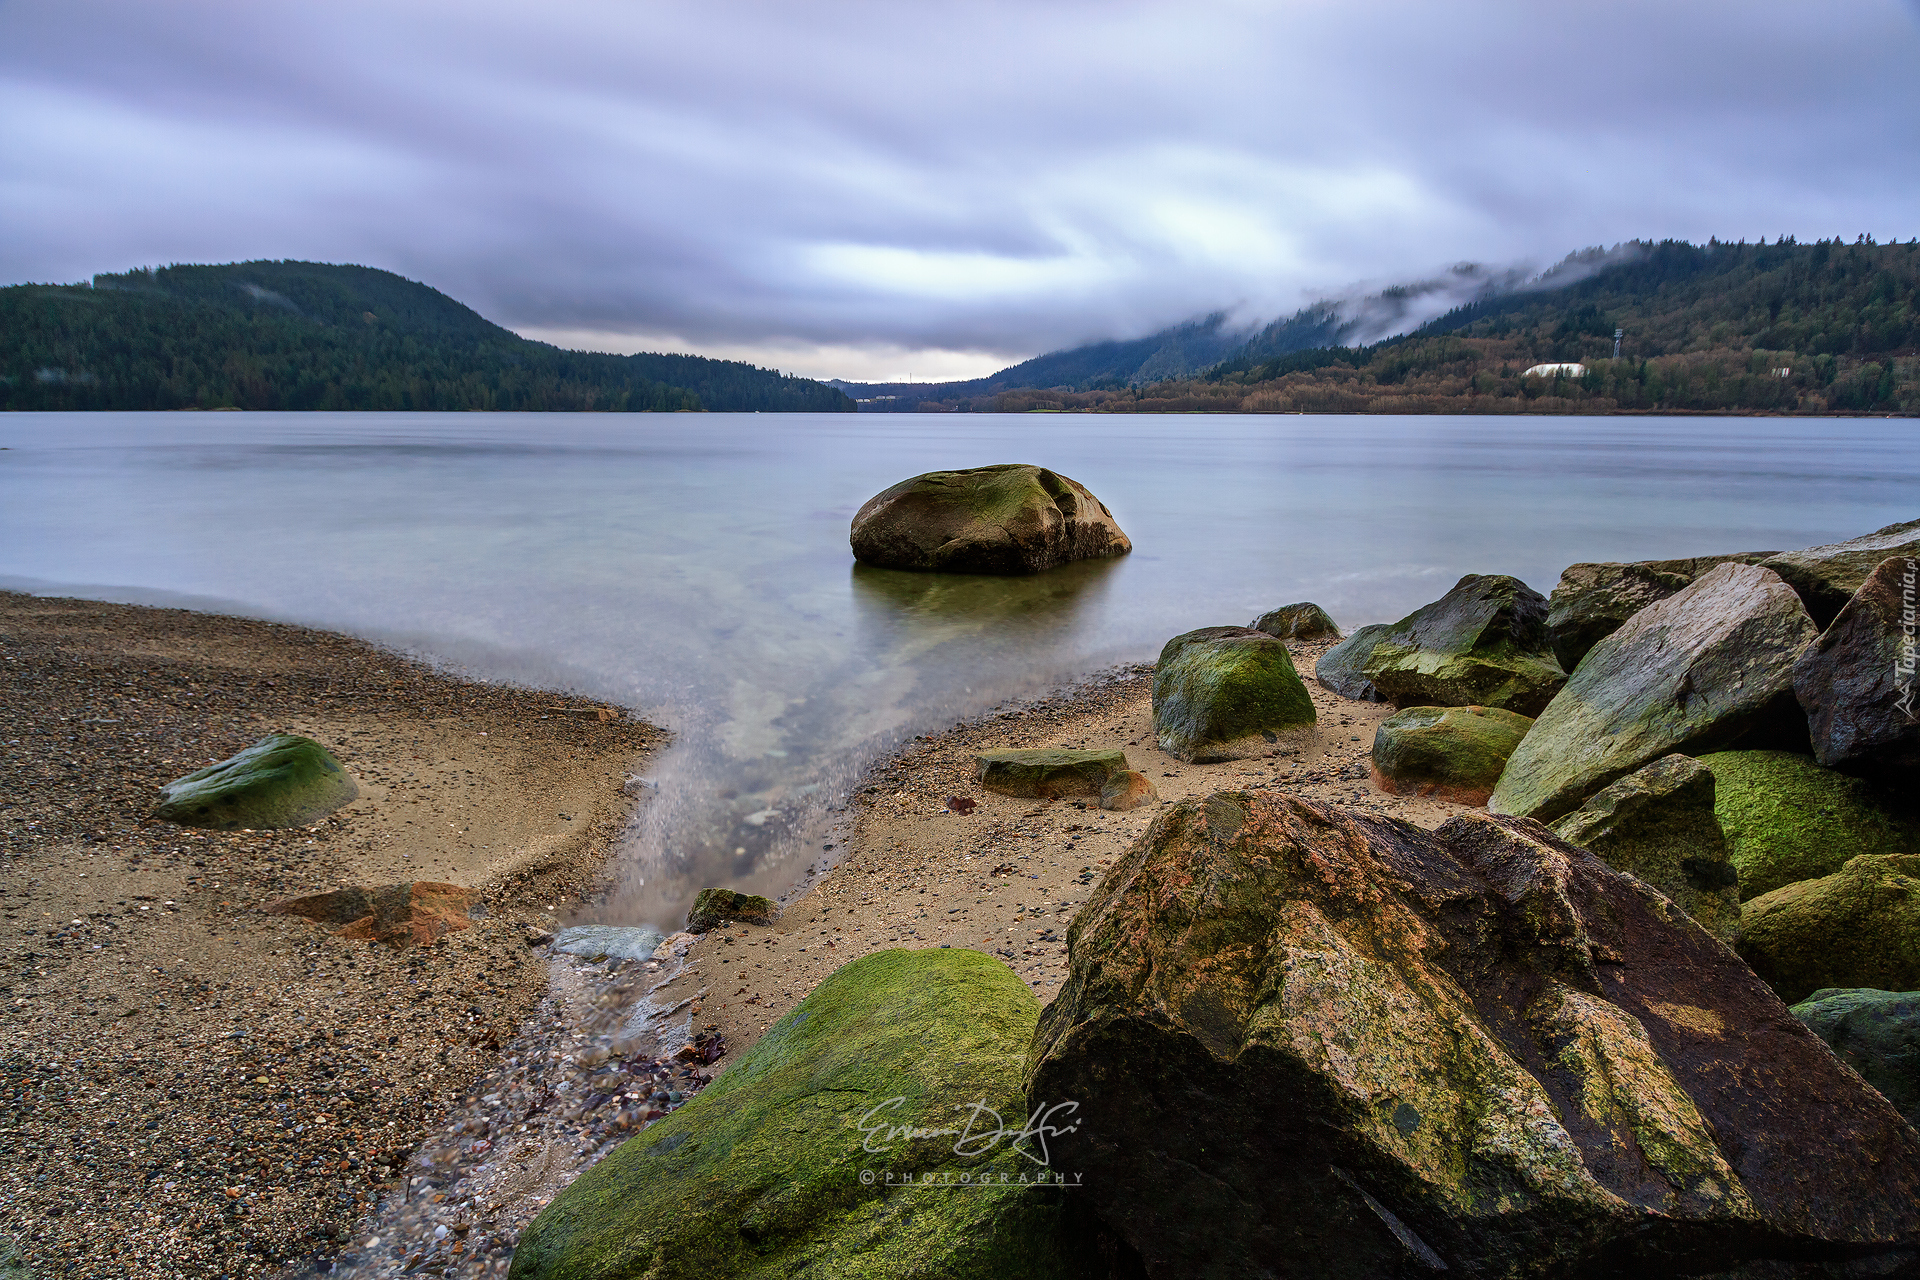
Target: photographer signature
983, 1131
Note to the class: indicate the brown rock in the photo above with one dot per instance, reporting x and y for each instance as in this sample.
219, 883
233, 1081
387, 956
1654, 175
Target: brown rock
1857, 683
1371, 1050
1128, 789
400, 915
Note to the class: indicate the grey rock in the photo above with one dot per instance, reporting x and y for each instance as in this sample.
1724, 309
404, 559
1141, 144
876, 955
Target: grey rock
1303, 621
1658, 824
1826, 577
1857, 682
1703, 670
1592, 600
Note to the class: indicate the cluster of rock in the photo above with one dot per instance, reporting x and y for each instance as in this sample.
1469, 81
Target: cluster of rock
1289, 1032
1297, 1040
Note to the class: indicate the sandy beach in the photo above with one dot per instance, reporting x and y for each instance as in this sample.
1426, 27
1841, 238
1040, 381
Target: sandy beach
1007, 876
198, 1088
191, 1086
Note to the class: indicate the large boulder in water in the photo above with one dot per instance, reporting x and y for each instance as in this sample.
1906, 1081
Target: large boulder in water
1859, 927
1708, 668
1222, 692
283, 780
1300, 1034
1303, 621
1877, 1033
1658, 824
796, 1161
1453, 753
1826, 577
1005, 519
1484, 643
1857, 682
1592, 600
1787, 819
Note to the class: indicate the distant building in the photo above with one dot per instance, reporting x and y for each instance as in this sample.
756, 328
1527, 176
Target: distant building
1570, 370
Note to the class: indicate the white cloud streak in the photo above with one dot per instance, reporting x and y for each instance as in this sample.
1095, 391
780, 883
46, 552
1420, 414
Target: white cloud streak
954, 186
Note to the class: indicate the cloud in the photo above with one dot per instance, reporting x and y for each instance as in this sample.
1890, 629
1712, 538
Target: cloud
975, 182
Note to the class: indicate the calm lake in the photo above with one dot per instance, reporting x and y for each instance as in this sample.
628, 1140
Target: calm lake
695, 567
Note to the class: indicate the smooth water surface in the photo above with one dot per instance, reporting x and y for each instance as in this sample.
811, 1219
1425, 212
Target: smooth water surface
695, 567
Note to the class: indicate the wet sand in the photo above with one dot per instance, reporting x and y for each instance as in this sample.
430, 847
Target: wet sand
1006, 877
192, 1087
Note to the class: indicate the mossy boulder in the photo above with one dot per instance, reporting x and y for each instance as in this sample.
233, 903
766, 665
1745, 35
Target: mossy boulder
1859, 927
1826, 577
1707, 669
1303, 621
1857, 682
1591, 601
1301, 1034
1046, 773
1222, 692
793, 1161
283, 780
718, 906
1006, 519
1455, 753
1658, 824
1877, 1033
1484, 643
1343, 667
1788, 819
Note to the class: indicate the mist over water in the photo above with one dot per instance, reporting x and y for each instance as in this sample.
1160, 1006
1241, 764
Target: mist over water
695, 567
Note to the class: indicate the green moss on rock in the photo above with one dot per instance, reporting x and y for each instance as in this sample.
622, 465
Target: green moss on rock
762, 1175
1455, 753
1220, 692
1658, 825
717, 906
1877, 1033
1303, 621
1788, 819
1859, 927
283, 780
1047, 773
1007, 519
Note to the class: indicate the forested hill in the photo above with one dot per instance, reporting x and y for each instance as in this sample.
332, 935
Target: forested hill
1826, 327
309, 335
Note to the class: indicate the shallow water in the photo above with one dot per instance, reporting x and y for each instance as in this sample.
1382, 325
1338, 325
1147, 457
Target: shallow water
695, 567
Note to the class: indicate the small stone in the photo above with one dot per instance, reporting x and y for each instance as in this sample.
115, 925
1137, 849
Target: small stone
716, 906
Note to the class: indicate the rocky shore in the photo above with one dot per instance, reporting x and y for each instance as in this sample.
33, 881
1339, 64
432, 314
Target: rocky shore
190, 1086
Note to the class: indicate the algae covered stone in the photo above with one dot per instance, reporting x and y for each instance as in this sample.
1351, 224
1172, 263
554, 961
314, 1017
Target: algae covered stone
1455, 753
1658, 824
1877, 1033
1484, 643
1222, 692
717, 906
1303, 621
283, 780
1706, 669
1826, 577
793, 1162
1857, 682
1859, 927
1591, 601
1045, 773
1788, 819
1369, 1050
1006, 519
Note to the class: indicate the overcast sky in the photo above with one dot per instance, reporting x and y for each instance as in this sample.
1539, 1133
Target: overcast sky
887, 189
